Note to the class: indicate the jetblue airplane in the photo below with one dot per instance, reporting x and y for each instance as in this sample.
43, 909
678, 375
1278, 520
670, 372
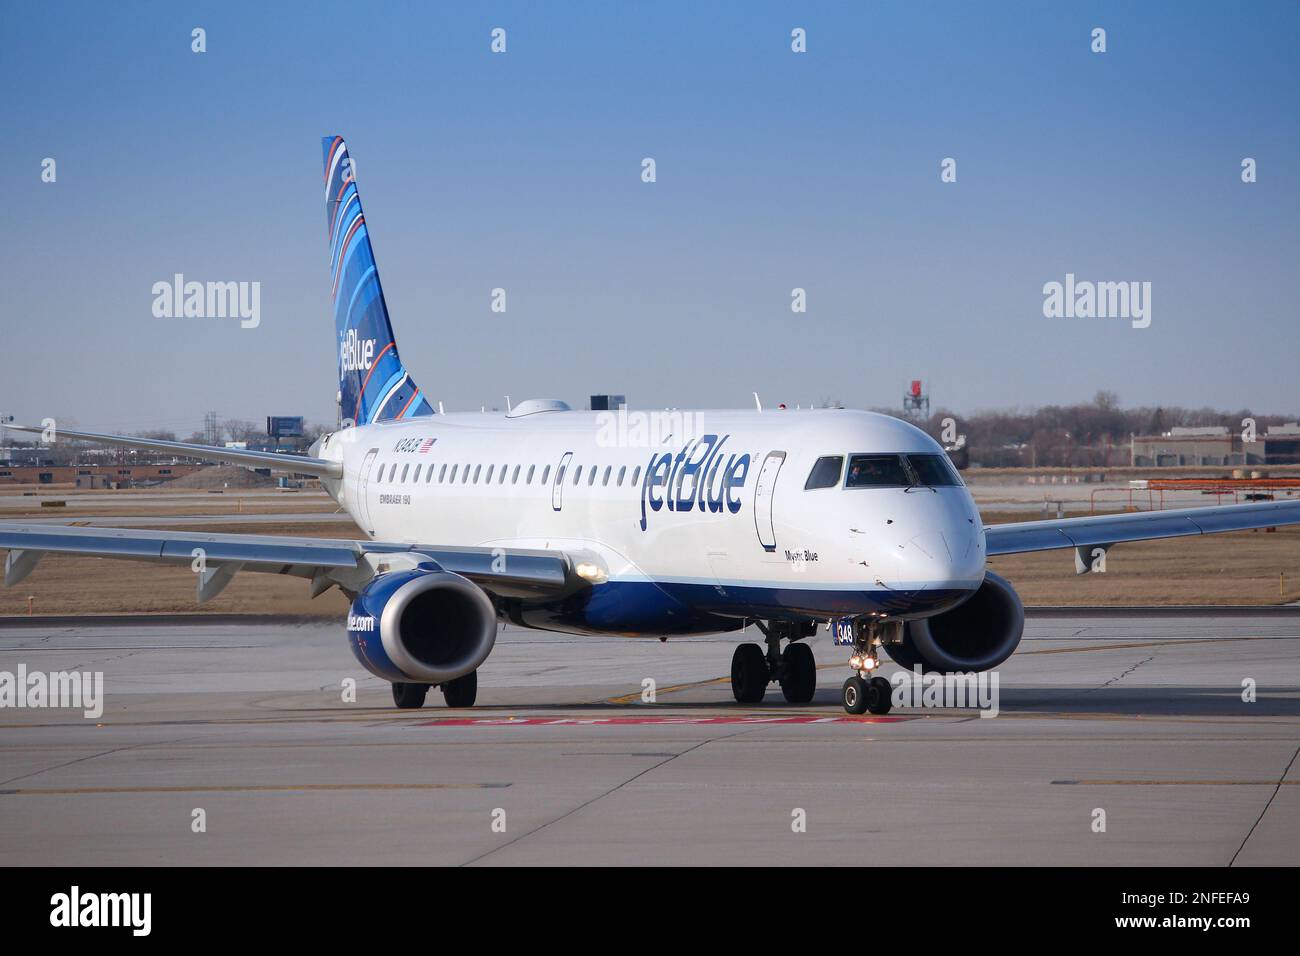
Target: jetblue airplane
631, 523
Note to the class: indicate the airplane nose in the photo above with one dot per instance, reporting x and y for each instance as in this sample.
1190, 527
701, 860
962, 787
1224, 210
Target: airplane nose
942, 560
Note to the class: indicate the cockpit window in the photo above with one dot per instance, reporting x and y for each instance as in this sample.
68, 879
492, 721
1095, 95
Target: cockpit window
877, 471
825, 473
933, 470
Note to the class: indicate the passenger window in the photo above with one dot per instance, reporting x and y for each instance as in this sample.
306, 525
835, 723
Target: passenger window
501, 480
577, 474
621, 472
591, 476
416, 477
559, 475
391, 472
453, 473
442, 474
636, 475
476, 470
825, 473
405, 469
876, 471
428, 477
488, 479
605, 481
546, 473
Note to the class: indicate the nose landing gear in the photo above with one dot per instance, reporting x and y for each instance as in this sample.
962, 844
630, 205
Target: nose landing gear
864, 692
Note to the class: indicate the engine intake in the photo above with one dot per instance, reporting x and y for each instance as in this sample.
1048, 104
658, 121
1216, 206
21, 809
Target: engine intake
976, 635
424, 626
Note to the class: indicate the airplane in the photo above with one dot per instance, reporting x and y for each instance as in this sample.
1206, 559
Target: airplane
640, 524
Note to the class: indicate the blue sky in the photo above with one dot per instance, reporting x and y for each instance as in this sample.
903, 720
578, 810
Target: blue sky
775, 171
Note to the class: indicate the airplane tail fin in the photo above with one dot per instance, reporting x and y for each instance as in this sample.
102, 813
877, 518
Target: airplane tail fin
374, 386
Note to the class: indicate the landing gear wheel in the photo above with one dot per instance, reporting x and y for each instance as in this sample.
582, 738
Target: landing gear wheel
410, 696
854, 695
799, 674
879, 695
749, 674
461, 691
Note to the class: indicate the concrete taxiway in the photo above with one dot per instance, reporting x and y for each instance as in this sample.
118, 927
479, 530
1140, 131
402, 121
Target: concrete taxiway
1135, 718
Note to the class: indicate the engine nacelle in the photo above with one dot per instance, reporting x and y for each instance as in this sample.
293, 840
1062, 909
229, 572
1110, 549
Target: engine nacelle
422, 626
976, 635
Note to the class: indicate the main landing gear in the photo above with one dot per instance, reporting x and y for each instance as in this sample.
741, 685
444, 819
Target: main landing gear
460, 692
794, 668
863, 692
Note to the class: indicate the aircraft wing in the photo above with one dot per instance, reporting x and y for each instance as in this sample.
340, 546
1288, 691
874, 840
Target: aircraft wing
216, 558
1105, 530
298, 464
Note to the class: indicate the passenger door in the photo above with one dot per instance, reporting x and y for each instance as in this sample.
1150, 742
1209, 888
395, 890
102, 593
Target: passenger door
557, 489
363, 487
763, 520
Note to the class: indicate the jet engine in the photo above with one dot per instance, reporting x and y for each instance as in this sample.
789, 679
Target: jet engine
424, 626
976, 635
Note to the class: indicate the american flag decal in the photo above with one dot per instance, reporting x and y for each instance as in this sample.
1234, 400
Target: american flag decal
428, 443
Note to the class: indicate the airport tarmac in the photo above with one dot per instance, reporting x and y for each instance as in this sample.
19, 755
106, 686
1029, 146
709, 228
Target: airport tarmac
1137, 714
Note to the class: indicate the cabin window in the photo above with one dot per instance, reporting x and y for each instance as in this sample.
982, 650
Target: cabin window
877, 471
825, 473
488, 479
453, 473
591, 476
546, 473
621, 472
605, 481
428, 477
391, 472
416, 476
577, 474
502, 479
559, 474
405, 469
529, 479
476, 471
442, 474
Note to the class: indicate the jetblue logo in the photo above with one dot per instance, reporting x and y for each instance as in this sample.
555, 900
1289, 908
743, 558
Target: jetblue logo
356, 354
357, 622
696, 477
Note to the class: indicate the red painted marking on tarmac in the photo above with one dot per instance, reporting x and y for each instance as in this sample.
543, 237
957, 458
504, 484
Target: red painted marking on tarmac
622, 721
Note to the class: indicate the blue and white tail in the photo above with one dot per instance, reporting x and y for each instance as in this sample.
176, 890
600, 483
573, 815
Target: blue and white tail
374, 386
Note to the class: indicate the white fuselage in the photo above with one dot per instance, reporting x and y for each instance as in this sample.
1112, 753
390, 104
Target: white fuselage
710, 506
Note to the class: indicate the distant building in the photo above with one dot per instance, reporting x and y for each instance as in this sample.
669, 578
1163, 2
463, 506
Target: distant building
1217, 446
92, 476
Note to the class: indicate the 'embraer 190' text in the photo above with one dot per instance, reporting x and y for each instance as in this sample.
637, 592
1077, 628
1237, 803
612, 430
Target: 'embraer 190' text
694, 478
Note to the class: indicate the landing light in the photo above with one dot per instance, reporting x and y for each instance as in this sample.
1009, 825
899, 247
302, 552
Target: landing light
591, 572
